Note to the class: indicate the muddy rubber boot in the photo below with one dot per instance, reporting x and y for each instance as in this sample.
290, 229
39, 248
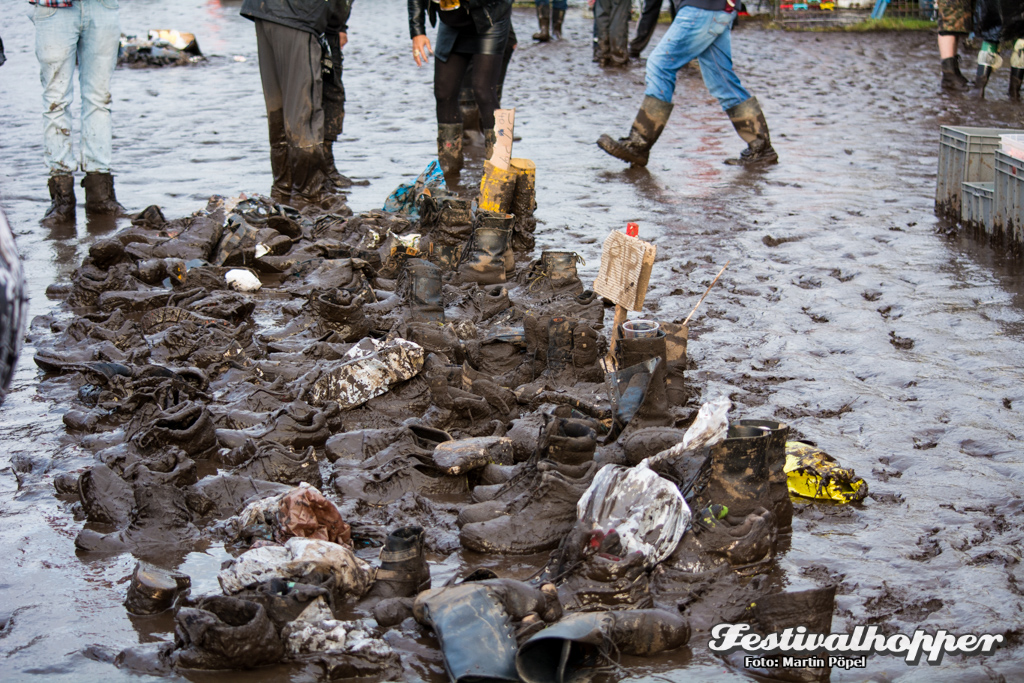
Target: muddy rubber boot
1016, 76
423, 290
573, 442
62, 201
952, 79
544, 21
497, 188
448, 222
99, 195
647, 127
331, 170
640, 398
811, 609
592, 639
676, 337
488, 255
225, 633
449, 147
308, 179
153, 590
748, 120
980, 81
403, 570
557, 15
340, 312
739, 473
778, 487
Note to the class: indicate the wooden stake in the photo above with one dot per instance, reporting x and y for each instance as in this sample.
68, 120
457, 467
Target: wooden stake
620, 317
708, 291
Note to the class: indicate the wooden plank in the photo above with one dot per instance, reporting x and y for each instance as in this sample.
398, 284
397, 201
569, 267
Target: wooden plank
626, 264
504, 124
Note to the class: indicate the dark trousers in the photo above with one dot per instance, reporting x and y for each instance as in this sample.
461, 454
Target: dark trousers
334, 93
611, 30
648, 20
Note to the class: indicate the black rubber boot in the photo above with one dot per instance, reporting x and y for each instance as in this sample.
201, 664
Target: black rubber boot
952, 79
775, 455
403, 570
449, 147
308, 179
980, 81
99, 195
544, 20
647, 127
557, 15
62, 201
1016, 76
331, 170
739, 473
423, 290
225, 633
280, 168
748, 120
153, 590
488, 255
591, 639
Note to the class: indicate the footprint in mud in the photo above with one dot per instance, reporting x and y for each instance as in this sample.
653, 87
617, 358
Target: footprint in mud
900, 342
770, 241
928, 548
818, 318
807, 282
841, 276
887, 498
871, 294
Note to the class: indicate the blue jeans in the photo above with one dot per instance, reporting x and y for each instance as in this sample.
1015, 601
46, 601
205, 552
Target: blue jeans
702, 35
89, 31
556, 4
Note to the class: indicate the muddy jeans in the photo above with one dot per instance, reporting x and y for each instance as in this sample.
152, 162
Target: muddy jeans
89, 31
703, 35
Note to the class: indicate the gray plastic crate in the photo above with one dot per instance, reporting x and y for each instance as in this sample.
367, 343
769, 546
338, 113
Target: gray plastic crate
976, 206
1008, 204
966, 154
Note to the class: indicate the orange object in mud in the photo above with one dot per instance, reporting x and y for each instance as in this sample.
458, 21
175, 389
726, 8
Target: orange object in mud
305, 512
448, 4
633, 229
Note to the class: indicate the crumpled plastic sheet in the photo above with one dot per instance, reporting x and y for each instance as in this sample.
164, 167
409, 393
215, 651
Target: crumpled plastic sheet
708, 429
403, 199
813, 473
354, 381
303, 512
648, 512
317, 631
297, 558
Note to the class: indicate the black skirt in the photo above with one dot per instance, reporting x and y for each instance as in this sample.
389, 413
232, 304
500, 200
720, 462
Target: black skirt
457, 33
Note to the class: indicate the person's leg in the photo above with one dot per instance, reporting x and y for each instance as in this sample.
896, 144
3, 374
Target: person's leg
281, 190
57, 32
954, 21
97, 57
645, 27
618, 32
602, 27
486, 76
558, 8
543, 21
448, 77
334, 111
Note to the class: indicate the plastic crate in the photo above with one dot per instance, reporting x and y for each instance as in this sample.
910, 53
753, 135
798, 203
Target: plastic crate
1013, 145
966, 154
1008, 200
976, 206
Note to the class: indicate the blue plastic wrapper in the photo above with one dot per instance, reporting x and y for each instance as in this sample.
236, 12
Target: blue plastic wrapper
403, 199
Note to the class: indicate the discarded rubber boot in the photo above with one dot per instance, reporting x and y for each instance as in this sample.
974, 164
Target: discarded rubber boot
572, 442
271, 461
557, 15
980, 82
485, 258
331, 170
473, 622
449, 147
952, 79
403, 570
653, 410
99, 195
647, 127
62, 201
748, 120
578, 641
544, 21
1016, 76
554, 274
153, 590
497, 188
341, 312
309, 184
225, 633
739, 473
717, 540
775, 455
551, 507
810, 609
423, 290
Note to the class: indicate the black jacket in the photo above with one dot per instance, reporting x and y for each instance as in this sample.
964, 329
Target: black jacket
483, 13
337, 16
304, 15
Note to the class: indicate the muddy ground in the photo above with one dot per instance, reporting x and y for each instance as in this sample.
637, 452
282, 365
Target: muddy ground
847, 310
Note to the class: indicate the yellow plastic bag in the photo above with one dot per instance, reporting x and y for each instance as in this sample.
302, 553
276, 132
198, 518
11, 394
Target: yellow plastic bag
813, 473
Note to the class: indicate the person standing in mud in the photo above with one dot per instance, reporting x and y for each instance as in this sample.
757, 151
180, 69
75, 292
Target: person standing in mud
86, 32
611, 32
471, 32
290, 69
334, 89
550, 14
701, 30
954, 23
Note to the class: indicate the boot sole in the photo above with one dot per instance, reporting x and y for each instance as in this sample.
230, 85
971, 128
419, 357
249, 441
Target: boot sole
611, 146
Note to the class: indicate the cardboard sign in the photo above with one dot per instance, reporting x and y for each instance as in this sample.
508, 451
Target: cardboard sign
504, 123
626, 264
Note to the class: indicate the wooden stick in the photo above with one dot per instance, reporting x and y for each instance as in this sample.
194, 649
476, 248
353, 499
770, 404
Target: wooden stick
620, 317
708, 290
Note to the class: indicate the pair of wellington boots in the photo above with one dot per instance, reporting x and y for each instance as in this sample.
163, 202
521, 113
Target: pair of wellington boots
579, 641
403, 570
100, 199
746, 117
487, 257
511, 189
549, 21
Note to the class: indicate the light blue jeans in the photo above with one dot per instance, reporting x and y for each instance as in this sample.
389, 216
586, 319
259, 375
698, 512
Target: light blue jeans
89, 31
702, 35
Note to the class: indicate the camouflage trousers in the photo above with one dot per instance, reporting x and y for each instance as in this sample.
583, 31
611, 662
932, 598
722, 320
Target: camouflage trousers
955, 16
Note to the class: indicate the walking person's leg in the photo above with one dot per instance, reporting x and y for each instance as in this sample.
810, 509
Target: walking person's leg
602, 30
280, 168
334, 111
558, 8
618, 32
543, 21
448, 78
645, 27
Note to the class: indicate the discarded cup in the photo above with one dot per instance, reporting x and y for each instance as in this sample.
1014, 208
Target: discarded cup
640, 329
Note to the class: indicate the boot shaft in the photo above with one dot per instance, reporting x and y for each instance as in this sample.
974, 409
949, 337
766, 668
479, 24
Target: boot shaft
559, 343
488, 256
449, 147
739, 472
749, 122
99, 194
423, 289
631, 352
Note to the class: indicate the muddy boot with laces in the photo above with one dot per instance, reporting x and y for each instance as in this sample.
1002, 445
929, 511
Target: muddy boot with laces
403, 570
488, 256
99, 195
62, 201
544, 21
594, 639
952, 79
647, 127
748, 120
554, 274
449, 147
